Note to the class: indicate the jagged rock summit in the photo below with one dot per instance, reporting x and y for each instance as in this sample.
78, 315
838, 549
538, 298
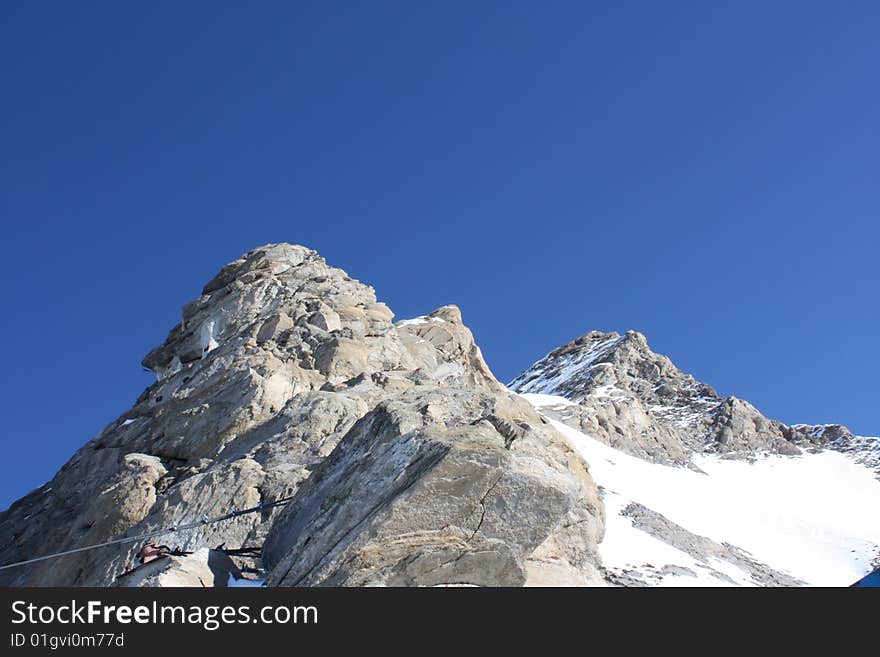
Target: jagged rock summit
639, 402
408, 463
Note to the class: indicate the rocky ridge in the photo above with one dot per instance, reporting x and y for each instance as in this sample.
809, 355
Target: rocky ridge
639, 402
408, 462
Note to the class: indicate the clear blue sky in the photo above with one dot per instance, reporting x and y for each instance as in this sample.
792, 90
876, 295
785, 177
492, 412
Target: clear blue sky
706, 173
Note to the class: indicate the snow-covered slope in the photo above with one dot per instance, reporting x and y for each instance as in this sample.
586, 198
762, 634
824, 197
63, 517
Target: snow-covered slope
808, 519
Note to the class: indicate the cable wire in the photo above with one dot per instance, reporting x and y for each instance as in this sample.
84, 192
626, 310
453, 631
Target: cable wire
140, 537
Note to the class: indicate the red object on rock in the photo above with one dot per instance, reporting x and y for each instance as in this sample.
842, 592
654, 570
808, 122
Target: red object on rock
151, 552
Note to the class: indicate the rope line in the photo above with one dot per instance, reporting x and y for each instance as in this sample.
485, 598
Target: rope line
158, 532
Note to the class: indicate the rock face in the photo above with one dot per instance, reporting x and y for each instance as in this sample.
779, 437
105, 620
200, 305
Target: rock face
442, 486
639, 402
409, 462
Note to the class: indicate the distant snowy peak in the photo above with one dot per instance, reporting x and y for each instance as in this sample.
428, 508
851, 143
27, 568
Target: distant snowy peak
568, 370
639, 402
744, 491
597, 363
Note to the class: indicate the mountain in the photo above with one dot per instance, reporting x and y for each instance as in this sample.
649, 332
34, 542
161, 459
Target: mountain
408, 463
703, 489
639, 402
297, 435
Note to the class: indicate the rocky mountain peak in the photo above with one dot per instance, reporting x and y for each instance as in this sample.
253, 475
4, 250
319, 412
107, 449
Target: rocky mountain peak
287, 378
597, 362
640, 402
273, 297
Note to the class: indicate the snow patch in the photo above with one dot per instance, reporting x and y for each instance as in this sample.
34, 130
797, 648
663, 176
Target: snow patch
208, 333
812, 516
424, 319
539, 400
546, 376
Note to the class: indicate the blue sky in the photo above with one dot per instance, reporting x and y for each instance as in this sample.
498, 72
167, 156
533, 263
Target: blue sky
706, 173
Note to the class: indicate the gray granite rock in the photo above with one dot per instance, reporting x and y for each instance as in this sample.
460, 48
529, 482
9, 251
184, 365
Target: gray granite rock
429, 489
281, 371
